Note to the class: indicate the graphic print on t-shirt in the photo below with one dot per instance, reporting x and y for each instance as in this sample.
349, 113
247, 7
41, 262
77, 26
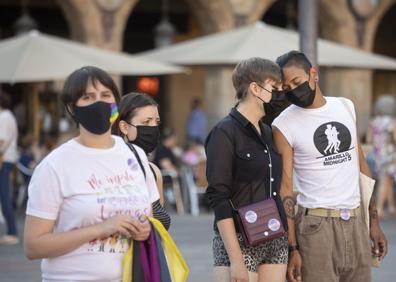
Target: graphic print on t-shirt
333, 140
133, 164
118, 194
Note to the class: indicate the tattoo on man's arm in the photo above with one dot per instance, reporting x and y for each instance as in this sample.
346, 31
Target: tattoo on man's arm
289, 203
373, 208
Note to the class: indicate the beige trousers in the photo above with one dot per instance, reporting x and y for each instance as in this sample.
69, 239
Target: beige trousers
334, 250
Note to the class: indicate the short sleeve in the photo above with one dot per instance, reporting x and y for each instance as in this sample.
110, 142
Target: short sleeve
45, 197
150, 180
281, 124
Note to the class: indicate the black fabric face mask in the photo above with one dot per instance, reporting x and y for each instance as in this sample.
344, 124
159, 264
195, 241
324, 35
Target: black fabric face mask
276, 97
302, 96
147, 137
277, 104
95, 118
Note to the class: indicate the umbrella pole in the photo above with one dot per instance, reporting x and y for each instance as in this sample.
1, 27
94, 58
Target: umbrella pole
36, 111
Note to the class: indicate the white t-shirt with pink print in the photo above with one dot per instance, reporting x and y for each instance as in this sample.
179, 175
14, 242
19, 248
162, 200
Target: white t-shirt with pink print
79, 186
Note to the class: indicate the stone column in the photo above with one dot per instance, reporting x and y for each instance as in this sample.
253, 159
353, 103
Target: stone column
352, 84
219, 93
99, 23
216, 16
384, 82
338, 24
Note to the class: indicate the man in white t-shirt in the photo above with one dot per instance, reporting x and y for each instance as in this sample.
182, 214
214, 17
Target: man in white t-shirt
8, 157
316, 136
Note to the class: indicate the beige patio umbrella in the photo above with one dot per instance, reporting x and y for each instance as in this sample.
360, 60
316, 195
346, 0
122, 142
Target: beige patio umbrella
34, 57
38, 57
262, 40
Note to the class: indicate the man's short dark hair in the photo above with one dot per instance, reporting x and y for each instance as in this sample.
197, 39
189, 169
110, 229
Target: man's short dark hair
253, 70
294, 58
77, 82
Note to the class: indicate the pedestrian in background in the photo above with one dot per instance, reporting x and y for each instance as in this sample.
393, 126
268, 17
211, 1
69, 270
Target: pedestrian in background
382, 134
197, 122
166, 155
8, 158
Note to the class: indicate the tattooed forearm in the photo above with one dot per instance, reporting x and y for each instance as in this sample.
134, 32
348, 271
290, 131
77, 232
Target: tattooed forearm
289, 203
372, 208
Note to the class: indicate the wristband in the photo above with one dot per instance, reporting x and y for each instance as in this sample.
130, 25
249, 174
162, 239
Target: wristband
293, 248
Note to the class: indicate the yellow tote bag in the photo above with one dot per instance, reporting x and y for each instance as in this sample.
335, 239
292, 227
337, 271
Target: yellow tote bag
177, 266
127, 265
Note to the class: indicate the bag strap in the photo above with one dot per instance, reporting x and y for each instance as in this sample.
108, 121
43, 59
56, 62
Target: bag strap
137, 157
344, 102
267, 134
153, 171
270, 177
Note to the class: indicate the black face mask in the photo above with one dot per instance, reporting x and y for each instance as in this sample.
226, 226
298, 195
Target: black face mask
277, 104
273, 92
147, 137
96, 117
302, 96
277, 100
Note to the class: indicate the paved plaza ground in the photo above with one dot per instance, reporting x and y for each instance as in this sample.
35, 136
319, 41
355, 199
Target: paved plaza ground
193, 236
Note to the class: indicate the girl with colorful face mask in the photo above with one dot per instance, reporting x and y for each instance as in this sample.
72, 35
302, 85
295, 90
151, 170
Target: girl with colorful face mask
88, 195
139, 126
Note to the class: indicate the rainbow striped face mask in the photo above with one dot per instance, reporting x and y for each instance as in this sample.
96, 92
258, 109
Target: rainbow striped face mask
97, 117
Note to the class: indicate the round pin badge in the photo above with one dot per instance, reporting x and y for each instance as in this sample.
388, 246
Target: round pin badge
251, 216
274, 224
345, 214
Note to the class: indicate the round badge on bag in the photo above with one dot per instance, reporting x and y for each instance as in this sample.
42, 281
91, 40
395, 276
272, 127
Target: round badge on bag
274, 224
251, 216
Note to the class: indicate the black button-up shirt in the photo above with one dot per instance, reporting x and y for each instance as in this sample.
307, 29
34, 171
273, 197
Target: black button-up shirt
238, 166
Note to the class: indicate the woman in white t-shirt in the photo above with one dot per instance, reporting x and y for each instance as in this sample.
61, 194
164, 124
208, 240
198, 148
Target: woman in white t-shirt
89, 196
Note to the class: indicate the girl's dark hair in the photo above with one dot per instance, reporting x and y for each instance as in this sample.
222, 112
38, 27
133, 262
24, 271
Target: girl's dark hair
130, 103
77, 82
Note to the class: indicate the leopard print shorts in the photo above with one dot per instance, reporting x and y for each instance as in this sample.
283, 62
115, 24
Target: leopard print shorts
272, 252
